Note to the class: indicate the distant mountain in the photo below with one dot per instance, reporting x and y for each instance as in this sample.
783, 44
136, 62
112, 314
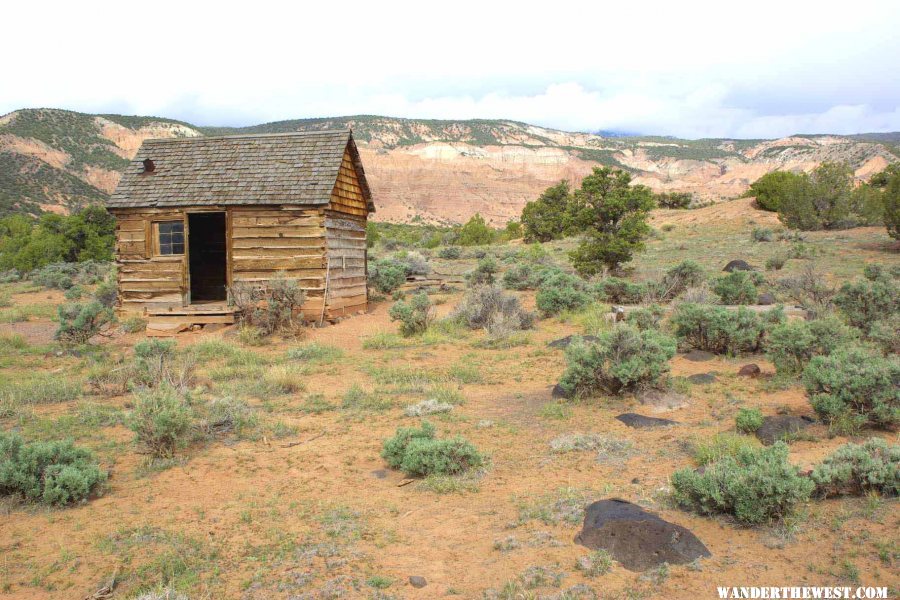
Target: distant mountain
437, 170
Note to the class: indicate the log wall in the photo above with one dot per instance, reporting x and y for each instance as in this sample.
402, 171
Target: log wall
345, 234
146, 281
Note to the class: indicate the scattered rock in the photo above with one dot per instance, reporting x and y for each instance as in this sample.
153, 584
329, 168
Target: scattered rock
751, 370
635, 481
662, 400
417, 581
778, 427
702, 378
380, 473
642, 422
639, 540
766, 299
567, 341
699, 356
558, 392
738, 265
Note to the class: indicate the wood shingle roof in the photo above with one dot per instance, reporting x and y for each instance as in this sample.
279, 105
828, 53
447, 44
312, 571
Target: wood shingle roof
283, 168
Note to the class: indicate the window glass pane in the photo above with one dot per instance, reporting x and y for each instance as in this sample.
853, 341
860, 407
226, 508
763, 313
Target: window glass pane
171, 237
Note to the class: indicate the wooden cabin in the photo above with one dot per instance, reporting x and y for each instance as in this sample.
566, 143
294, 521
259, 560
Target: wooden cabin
195, 215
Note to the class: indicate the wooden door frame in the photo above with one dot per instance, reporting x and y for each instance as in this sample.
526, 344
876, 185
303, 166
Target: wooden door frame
187, 256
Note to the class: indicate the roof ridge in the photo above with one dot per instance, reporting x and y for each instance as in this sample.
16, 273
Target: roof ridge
250, 135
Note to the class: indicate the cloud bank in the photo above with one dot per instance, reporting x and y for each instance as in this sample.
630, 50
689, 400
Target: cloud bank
696, 69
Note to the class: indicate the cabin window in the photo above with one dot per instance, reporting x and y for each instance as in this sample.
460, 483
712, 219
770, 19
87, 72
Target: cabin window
170, 237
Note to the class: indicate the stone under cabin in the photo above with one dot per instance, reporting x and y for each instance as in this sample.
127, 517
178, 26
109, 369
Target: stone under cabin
196, 215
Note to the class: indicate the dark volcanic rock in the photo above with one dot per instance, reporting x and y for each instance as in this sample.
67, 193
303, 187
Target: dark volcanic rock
558, 392
417, 581
778, 427
566, 341
699, 356
766, 299
702, 378
641, 422
738, 265
637, 539
751, 370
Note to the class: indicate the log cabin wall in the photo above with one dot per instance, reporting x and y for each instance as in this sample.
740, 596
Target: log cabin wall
146, 281
288, 240
345, 234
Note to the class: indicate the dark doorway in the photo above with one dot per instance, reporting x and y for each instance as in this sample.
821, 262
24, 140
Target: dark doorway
206, 245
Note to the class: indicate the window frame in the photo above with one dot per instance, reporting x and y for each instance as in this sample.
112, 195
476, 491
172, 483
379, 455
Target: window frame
157, 233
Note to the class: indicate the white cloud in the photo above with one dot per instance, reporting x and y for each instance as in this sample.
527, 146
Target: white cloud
688, 69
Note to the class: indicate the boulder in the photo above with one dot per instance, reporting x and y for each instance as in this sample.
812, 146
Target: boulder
779, 426
738, 265
699, 356
558, 392
417, 581
639, 540
702, 378
751, 370
566, 341
766, 299
641, 422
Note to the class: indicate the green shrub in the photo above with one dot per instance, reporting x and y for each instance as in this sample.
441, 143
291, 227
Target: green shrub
684, 275
394, 448
74, 293
771, 188
483, 274
417, 452
722, 445
619, 291
720, 330
853, 387
107, 293
561, 292
161, 421
885, 334
487, 307
645, 318
755, 486
450, 253
864, 302
762, 234
791, 345
414, 315
440, 457
387, 275
78, 323
273, 307
737, 287
134, 325
476, 232
748, 420
622, 360
528, 276
673, 199
855, 469
776, 263
54, 473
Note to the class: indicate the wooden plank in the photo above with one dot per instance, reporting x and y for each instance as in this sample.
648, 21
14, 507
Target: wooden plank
276, 264
276, 242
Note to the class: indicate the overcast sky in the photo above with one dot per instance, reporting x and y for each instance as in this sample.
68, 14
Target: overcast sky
689, 69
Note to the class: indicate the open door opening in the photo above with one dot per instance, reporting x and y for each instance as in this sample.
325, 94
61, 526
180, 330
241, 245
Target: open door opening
206, 247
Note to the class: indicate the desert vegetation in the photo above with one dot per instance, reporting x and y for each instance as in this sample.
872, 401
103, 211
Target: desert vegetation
496, 389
